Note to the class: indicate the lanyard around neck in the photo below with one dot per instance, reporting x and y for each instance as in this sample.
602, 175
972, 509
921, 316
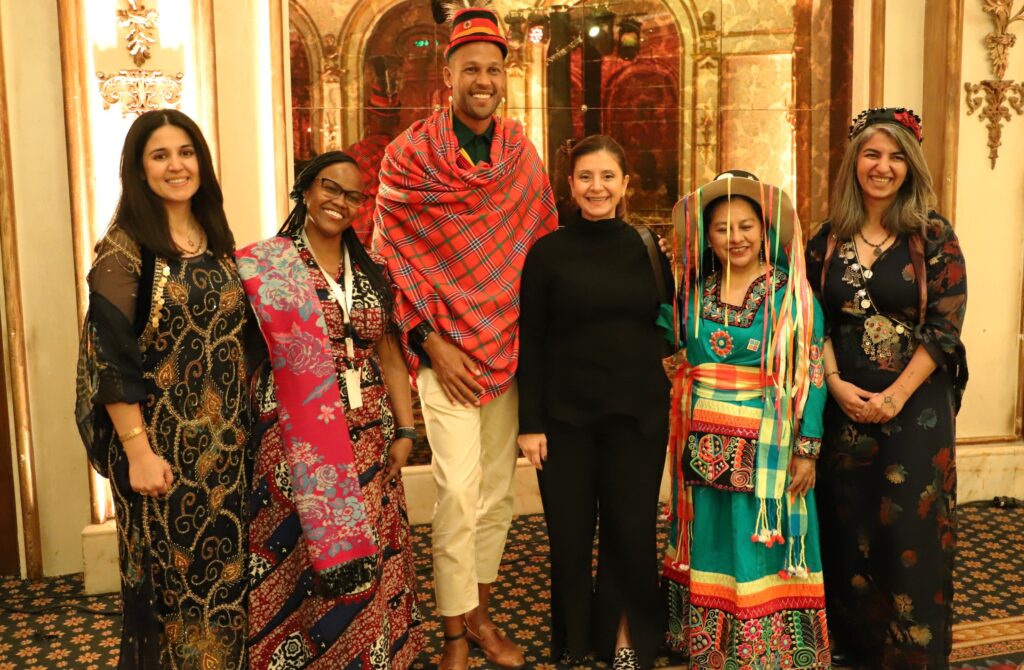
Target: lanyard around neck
344, 297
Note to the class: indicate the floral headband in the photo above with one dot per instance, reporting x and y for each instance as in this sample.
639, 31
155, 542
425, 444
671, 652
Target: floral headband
901, 115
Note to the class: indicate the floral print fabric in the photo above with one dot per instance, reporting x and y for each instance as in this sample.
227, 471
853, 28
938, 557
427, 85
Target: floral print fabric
325, 486
887, 492
292, 622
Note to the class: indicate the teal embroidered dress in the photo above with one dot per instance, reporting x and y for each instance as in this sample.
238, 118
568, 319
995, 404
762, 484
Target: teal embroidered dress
737, 606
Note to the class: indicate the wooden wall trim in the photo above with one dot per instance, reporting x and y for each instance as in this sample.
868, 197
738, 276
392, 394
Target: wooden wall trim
281, 73
841, 107
943, 30
76, 127
16, 350
876, 71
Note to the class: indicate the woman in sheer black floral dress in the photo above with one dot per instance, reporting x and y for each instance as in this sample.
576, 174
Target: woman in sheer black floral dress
892, 280
164, 407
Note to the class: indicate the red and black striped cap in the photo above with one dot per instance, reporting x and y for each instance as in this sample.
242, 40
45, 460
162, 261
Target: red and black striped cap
476, 25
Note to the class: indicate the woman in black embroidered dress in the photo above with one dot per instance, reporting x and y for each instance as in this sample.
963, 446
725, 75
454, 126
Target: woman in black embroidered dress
163, 406
893, 283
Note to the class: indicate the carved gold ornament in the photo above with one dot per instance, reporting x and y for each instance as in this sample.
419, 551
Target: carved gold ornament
995, 98
1000, 40
139, 91
141, 25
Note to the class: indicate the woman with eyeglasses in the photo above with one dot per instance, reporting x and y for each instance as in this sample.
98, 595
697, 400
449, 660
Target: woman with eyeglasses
332, 575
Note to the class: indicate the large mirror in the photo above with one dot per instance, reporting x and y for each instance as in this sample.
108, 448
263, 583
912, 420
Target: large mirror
688, 87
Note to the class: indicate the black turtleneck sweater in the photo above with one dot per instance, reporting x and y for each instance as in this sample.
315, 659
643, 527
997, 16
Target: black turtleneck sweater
589, 346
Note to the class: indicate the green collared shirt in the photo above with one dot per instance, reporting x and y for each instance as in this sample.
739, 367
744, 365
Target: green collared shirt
477, 147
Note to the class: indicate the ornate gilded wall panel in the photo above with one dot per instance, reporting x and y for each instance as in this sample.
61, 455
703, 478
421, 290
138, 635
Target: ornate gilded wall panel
665, 100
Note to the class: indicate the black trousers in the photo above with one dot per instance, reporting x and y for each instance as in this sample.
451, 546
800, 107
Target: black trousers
608, 470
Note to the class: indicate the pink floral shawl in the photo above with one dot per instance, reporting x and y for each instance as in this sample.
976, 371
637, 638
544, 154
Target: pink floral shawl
325, 484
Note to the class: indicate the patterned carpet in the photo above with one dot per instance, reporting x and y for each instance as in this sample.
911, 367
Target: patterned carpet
51, 624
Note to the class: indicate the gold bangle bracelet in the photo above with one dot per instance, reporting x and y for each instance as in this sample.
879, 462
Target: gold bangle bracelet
133, 433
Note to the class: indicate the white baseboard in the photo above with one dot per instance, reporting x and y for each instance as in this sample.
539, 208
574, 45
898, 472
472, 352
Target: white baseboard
984, 471
99, 558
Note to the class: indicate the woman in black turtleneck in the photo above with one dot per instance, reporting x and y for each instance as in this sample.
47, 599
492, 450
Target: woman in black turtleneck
593, 407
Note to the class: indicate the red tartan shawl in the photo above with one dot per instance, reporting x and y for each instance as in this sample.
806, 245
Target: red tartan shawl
455, 236
368, 153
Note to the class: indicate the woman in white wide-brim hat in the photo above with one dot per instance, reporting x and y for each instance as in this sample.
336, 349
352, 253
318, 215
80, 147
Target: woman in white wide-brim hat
743, 570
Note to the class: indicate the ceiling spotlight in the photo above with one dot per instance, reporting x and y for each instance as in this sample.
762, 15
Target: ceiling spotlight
537, 30
599, 28
515, 35
629, 38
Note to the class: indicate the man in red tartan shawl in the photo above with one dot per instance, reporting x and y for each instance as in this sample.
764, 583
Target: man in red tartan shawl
463, 196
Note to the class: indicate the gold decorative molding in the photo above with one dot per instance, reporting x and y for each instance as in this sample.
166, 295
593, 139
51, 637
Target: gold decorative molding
1001, 40
141, 25
995, 98
139, 91
16, 350
707, 128
709, 53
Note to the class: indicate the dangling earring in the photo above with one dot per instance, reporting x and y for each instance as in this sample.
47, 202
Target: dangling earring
760, 253
714, 269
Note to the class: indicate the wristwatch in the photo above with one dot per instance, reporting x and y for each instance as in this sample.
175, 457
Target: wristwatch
419, 334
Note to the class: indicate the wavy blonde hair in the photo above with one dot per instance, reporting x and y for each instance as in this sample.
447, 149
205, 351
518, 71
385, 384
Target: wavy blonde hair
908, 213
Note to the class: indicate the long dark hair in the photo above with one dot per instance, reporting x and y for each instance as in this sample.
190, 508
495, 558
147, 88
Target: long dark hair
142, 214
591, 144
297, 219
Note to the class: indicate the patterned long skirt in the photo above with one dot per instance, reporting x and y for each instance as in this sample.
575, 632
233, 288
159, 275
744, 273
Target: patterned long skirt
290, 624
733, 610
888, 510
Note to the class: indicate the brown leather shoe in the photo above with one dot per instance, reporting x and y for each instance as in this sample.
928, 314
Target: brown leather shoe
496, 646
455, 653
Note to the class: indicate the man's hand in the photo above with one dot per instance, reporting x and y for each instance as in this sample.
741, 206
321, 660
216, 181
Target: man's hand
455, 370
535, 447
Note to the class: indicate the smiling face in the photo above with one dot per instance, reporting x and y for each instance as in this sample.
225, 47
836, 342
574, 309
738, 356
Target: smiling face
330, 201
735, 233
881, 168
476, 74
170, 165
597, 185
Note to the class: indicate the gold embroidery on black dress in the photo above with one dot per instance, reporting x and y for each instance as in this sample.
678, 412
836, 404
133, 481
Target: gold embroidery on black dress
183, 555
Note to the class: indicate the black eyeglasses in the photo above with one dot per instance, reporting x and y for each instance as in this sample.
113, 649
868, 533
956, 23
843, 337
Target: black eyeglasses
334, 190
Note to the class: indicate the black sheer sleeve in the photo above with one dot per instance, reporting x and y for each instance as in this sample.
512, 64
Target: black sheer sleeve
814, 256
939, 333
109, 360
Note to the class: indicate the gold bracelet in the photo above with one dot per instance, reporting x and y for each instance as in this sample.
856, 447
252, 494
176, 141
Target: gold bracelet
133, 433
829, 374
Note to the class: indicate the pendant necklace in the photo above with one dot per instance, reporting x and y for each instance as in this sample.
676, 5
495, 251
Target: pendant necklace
876, 248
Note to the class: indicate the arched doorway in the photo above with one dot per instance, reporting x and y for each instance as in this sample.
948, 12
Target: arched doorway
407, 33
623, 64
